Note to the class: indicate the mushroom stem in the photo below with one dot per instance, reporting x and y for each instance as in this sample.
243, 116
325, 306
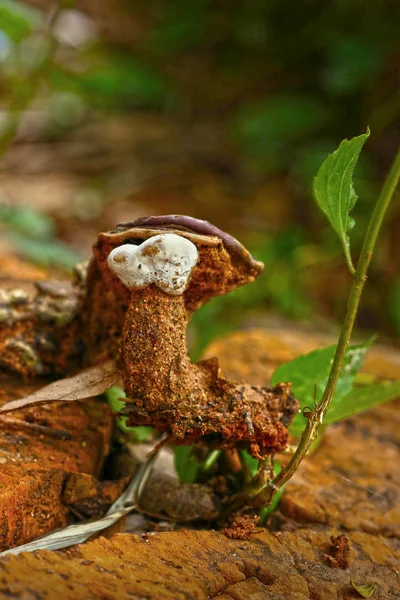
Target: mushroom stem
163, 388
157, 371
191, 401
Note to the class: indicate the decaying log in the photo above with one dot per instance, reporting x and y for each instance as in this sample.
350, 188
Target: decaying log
196, 565
38, 451
350, 487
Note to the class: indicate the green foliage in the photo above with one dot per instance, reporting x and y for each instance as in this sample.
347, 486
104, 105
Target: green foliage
187, 465
17, 21
27, 221
284, 88
211, 459
45, 253
32, 235
362, 398
122, 82
309, 374
266, 129
334, 192
249, 461
352, 61
138, 434
394, 305
281, 286
181, 25
252, 465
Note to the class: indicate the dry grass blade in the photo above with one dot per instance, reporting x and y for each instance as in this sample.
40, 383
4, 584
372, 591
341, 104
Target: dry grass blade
79, 533
90, 382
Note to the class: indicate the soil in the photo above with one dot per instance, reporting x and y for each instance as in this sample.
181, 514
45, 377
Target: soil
242, 527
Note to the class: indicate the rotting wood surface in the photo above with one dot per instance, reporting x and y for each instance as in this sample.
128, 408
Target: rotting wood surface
199, 565
350, 486
41, 447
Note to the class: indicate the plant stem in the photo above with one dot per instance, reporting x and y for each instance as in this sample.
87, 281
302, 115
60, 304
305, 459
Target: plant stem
359, 279
211, 459
233, 460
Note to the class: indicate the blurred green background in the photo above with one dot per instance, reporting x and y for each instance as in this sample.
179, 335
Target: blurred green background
112, 109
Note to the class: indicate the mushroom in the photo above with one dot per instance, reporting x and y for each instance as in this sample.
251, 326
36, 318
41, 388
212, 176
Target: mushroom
170, 266
146, 278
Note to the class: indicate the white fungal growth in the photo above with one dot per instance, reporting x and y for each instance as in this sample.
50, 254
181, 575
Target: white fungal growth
165, 260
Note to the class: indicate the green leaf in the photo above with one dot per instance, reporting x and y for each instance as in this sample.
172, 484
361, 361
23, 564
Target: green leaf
250, 462
362, 398
17, 20
366, 591
309, 374
211, 459
138, 434
334, 192
186, 463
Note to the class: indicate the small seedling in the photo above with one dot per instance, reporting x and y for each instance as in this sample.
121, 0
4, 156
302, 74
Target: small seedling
334, 368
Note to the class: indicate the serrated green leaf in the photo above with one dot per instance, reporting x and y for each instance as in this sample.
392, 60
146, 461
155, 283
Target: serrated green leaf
366, 591
187, 464
334, 192
309, 374
362, 398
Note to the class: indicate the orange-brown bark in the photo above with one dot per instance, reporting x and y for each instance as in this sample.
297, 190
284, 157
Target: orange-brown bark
38, 451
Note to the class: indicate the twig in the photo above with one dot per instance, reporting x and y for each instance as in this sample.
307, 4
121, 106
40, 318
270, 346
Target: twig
11, 423
315, 419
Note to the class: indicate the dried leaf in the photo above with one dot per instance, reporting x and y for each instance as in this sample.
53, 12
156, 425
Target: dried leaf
90, 382
366, 591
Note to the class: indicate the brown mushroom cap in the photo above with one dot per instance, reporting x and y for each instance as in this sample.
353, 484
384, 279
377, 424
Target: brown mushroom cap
223, 265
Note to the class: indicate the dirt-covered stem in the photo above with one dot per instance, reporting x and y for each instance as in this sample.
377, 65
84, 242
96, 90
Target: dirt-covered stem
359, 279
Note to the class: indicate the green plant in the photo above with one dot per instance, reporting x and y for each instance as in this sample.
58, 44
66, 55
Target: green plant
333, 190
323, 380
32, 235
115, 397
